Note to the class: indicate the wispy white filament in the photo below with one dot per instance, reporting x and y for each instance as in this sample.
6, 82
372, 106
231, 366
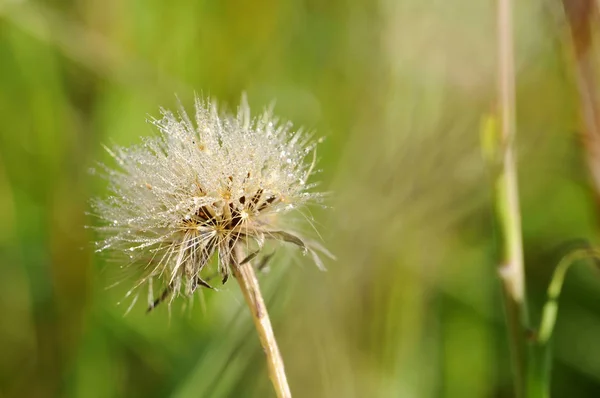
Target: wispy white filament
200, 187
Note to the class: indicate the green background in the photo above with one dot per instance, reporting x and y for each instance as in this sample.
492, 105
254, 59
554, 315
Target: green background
412, 306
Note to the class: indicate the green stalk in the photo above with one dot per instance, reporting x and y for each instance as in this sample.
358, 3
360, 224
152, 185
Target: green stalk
541, 355
510, 269
531, 356
500, 146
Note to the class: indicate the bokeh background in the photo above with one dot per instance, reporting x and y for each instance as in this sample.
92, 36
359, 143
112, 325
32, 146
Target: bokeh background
412, 306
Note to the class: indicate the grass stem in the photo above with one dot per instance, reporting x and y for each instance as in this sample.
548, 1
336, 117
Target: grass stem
511, 268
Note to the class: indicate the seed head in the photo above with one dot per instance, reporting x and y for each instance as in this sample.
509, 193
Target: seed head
198, 190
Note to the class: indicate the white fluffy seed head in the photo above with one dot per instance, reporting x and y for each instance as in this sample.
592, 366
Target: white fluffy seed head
202, 187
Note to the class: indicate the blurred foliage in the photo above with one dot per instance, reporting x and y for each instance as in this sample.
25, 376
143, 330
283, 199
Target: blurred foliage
410, 309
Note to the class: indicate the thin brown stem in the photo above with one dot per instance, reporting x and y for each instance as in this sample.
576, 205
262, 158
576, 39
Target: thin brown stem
244, 273
581, 16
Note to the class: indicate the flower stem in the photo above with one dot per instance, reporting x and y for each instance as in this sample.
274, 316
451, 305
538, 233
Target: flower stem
244, 273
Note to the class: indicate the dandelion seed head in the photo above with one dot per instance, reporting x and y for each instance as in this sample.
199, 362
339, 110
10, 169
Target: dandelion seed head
201, 186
